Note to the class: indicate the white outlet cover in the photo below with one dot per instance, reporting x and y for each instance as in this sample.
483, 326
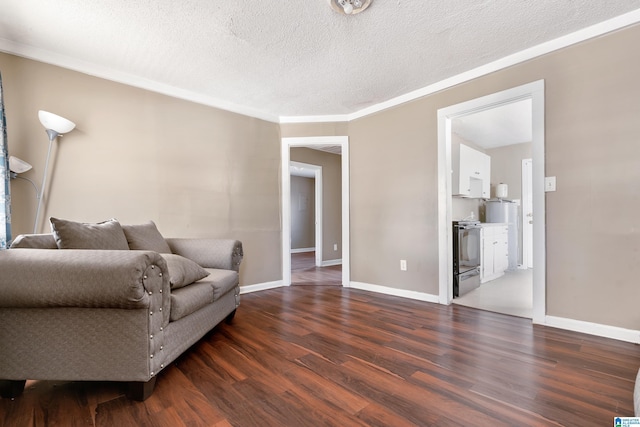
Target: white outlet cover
549, 183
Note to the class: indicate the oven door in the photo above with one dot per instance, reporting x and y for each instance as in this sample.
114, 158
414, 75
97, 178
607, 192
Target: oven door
468, 248
465, 282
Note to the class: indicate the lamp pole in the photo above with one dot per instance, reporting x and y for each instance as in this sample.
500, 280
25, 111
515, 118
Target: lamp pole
52, 136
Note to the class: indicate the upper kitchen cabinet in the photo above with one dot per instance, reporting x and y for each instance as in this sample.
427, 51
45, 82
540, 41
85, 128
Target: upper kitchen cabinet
471, 172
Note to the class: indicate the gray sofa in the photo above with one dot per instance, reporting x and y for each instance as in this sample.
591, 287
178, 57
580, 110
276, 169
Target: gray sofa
109, 315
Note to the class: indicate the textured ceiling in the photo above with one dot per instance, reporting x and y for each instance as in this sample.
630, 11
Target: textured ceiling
288, 58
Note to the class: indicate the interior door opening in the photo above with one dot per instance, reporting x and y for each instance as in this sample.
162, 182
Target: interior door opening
495, 142
446, 117
315, 142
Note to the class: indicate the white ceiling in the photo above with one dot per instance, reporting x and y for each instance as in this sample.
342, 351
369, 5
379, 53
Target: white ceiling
288, 58
504, 125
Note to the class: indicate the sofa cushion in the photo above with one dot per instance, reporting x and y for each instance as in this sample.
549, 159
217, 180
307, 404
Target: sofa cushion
78, 235
145, 237
34, 241
189, 299
183, 271
222, 281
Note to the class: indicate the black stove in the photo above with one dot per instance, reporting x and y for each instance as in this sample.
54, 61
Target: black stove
466, 256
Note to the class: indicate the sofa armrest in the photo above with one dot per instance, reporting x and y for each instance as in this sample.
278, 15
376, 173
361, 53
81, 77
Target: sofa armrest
39, 278
225, 254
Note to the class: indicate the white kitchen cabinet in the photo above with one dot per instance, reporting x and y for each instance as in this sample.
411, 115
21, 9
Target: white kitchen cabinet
494, 254
471, 173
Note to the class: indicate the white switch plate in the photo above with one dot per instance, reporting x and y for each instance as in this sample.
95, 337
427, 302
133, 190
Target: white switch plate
549, 183
403, 264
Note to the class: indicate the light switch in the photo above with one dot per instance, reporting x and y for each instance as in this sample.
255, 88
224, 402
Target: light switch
549, 183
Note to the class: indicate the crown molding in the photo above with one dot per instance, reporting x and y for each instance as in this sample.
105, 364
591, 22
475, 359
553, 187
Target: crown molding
579, 36
85, 67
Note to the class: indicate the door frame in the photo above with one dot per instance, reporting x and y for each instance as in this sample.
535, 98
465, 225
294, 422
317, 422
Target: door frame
535, 92
317, 176
286, 144
527, 237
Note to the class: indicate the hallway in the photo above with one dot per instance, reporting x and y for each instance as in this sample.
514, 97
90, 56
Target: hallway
305, 272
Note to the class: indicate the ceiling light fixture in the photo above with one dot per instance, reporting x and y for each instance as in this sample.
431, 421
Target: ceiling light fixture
349, 7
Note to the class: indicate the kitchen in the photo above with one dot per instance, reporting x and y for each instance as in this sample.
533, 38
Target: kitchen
491, 163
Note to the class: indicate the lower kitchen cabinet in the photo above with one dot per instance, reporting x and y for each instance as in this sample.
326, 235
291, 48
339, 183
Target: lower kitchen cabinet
494, 254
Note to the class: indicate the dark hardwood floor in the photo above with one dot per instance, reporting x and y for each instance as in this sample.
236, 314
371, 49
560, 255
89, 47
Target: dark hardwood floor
327, 355
305, 272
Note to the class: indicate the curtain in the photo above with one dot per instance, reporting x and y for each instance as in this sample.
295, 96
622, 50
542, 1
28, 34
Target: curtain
5, 189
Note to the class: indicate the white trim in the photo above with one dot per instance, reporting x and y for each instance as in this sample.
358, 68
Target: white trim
96, 70
331, 262
420, 296
527, 234
597, 329
92, 69
286, 144
579, 36
302, 250
247, 289
535, 92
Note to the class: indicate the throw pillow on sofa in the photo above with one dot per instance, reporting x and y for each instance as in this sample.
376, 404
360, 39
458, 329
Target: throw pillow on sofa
183, 271
78, 235
146, 237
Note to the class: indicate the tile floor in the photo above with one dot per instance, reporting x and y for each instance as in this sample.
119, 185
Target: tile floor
510, 294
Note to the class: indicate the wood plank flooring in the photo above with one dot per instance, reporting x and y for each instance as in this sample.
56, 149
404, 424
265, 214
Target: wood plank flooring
327, 355
305, 272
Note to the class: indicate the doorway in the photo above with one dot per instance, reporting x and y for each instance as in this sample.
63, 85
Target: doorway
534, 92
306, 199
314, 142
307, 225
501, 138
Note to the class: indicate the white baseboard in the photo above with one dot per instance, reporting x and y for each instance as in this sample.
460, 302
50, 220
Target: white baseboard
606, 331
260, 287
332, 262
302, 250
421, 296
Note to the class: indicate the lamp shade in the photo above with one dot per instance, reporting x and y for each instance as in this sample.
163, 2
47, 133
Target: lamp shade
18, 165
55, 123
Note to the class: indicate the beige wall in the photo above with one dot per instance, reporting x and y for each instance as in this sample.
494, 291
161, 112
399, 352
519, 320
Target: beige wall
303, 227
331, 197
592, 133
506, 167
138, 155
301, 130
200, 171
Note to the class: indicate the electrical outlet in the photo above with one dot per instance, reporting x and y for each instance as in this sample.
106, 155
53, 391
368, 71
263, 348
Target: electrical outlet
403, 264
335, 246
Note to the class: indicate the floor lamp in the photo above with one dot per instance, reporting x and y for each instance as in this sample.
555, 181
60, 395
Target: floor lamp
55, 126
18, 166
